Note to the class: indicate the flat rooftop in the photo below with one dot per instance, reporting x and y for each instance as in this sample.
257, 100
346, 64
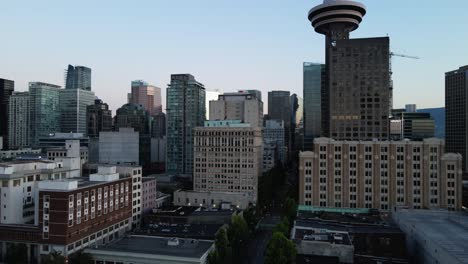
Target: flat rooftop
199, 231
189, 248
448, 230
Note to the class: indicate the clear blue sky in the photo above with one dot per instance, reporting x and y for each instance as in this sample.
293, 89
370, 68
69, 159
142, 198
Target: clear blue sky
227, 45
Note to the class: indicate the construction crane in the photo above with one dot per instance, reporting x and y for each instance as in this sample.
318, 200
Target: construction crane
392, 54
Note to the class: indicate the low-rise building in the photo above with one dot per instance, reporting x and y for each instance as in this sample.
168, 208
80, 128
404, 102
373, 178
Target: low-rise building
226, 200
149, 194
380, 174
19, 185
149, 249
12, 154
434, 236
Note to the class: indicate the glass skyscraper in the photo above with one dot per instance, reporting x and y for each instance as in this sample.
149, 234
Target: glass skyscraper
6, 89
313, 85
73, 104
78, 77
44, 110
185, 111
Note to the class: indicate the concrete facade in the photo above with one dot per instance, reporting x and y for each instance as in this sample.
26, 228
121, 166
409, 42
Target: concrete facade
243, 105
120, 147
380, 175
228, 159
19, 131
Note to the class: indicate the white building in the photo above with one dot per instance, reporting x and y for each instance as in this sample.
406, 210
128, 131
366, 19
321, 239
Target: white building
19, 182
120, 147
137, 189
19, 133
72, 155
244, 106
210, 95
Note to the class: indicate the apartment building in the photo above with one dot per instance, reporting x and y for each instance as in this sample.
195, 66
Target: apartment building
380, 175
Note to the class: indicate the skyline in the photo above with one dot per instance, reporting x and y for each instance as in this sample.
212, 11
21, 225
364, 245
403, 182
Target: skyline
123, 42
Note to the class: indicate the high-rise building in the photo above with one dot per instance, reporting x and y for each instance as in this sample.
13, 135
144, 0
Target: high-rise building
273, 135
78, 77
136, 117
158, 126
185, 111
380, 175
227, 158
6, 89
119, 147
148, 96
73, 104
44, 110
98, 118
243, 105
456, 112
19, 134
358, 89
279, 108
313, 86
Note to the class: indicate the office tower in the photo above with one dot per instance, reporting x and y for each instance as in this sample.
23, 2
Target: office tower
243, 105
380, 175
438, 114
273, 135
313, 86
6, 89
98, 118
44, 108
158, 126
212, 95
119, 147
411, 125
136, 117
227, 158
78, 77
19, 134
148, 96
279, 108
358, 89
185, 111
73, 104
456, 112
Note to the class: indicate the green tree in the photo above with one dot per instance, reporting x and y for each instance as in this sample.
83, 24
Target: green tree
238, 234
280, 250
223, 252
54, 258
251, 219
290, 209
80, 258
16, 253
283, 227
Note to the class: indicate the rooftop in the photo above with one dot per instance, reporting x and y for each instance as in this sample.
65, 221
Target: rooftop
448, 230
188, 248
198, 231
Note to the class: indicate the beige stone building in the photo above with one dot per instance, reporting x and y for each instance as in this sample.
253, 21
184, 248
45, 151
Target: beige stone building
380, 174
227, 157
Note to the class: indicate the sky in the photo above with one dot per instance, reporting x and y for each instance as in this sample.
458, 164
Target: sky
227, 45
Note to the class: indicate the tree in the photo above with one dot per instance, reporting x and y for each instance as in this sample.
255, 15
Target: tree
54, 257
16, 253
283, 227
280, 250
290, 209
223, 252
237, 233
80, 258
251, 219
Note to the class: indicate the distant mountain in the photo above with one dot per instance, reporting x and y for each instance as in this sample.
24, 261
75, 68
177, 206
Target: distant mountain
438, 114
